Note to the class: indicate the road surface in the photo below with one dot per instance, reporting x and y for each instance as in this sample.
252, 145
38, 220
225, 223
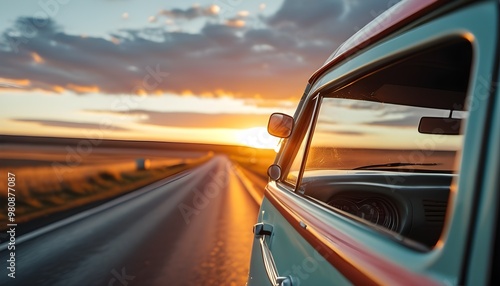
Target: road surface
191, 229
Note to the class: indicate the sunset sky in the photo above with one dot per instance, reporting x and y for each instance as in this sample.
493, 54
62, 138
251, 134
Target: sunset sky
205, 71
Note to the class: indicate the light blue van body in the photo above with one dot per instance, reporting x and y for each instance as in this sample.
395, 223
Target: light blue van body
301, 239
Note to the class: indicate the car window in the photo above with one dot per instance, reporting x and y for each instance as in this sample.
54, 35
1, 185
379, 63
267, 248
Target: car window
386, 147
365, 135
293, 172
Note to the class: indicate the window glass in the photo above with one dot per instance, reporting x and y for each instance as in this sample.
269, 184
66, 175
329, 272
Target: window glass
353, 134
294, 169
384, 148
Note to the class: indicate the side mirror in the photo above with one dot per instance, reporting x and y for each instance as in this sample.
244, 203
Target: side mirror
280, 125
439, 125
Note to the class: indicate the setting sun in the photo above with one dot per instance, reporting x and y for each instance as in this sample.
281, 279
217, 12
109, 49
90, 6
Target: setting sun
257, 137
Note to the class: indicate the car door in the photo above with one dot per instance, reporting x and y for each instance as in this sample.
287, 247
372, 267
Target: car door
379, 178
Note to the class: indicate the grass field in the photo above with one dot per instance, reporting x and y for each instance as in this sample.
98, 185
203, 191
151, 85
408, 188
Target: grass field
51, 179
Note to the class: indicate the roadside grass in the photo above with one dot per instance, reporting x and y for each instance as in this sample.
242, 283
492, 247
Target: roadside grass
39, 192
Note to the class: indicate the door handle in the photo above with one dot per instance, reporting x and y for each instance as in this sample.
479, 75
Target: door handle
261, 230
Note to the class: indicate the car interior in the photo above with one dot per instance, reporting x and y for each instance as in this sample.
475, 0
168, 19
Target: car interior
405, 199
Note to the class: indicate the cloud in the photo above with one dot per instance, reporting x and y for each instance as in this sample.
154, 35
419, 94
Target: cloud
326, 20
9, 83
152, 19
192, 119
192, 12
327, 127
411, 120
306, 15
68, 124
235, 22
411, 117
350, 133
270, 61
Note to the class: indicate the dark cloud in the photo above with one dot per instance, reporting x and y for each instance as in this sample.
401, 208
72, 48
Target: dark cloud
191, 13
306, 14
69, 124
193, 120
328, 21
272, 61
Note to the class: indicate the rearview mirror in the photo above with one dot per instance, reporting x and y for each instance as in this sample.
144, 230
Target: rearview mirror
280, 125
440, 125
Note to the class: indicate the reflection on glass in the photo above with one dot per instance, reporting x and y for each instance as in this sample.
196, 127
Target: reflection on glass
280, 125
354, 134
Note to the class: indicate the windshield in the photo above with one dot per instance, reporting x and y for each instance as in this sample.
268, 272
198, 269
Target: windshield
356, 134
407, 116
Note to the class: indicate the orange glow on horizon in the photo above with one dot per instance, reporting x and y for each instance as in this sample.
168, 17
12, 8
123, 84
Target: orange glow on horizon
58, 89
141, 92
222, 93
257, 137
187, 92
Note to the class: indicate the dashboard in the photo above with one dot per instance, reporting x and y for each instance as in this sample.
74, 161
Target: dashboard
412, 205
375, 209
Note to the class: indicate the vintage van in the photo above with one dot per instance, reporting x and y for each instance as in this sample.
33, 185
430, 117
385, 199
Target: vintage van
388, 173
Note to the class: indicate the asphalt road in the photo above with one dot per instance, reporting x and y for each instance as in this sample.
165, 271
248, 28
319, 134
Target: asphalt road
191, 229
